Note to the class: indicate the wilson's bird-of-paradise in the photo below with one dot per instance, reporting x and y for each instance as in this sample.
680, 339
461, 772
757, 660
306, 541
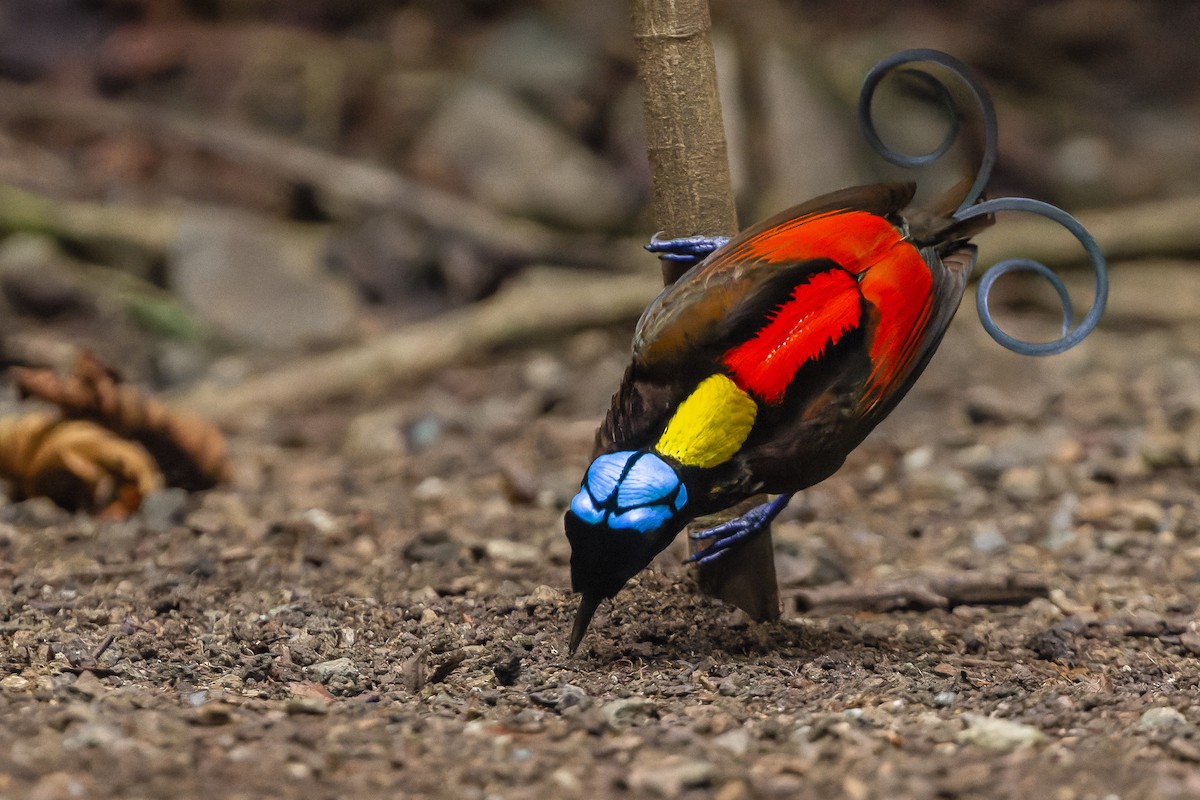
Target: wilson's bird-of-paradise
775, 355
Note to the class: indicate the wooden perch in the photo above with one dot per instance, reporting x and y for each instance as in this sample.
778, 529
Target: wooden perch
945, 591
691, 189
692, 193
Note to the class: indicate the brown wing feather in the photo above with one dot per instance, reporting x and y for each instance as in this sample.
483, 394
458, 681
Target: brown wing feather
682, 318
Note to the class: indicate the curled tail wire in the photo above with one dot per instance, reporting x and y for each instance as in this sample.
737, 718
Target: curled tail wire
971, 208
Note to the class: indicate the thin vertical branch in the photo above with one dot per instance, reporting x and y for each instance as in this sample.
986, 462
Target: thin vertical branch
692, 193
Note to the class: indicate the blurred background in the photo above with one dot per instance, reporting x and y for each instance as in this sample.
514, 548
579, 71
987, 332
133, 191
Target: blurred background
182, 180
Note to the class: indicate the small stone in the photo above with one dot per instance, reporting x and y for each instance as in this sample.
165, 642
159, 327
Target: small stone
990, 404
258, 282
517, 553
1022, 483
1162, 450
36, 512
425, 432
1002, 735
736, 741
565, 779
322, 521
88, 686
917, 459
736, 790
562, 697
1183, 748
511, 158
545, 373
163, 509
1189, 639
430, 490
15, 683
988, 539
93, 735
375, 434
313, 706
1060, 529
1144, 515
945, 699
326, 671
533, 57
544, 595
61, 786
213, 714
670, 776
731, 685
1162, 718
622, 712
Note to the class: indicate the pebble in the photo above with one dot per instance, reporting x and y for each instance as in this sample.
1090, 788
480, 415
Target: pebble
1145, 515
14, 683
545, 595
425, 432
945, 699
1162, 718
61, 786
509, 157
375, 434
431, 489
306, 706
669, 776
163, 509
731, 685
88, 686
326, 671
622, 712
918, 459
545, 373
1002, 735
1022, 483
517, 553
736, 741
213, 714
988, 539
1060, 528
258, 282
562, 697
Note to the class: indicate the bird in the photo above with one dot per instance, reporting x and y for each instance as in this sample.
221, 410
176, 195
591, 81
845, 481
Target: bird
761, 369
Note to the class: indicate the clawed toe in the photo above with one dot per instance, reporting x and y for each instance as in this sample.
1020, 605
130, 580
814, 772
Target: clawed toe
685, 249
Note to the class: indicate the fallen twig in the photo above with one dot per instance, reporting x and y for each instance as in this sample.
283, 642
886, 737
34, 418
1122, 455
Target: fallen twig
345, 182
540, 303
923, 594
1162, 227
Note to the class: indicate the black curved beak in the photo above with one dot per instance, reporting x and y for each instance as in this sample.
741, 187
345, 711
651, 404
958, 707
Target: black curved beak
602, 560
583, 617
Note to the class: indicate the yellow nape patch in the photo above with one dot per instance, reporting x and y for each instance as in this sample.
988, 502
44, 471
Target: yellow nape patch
710, 425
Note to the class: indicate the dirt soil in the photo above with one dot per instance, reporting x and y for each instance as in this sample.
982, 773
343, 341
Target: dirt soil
379, 606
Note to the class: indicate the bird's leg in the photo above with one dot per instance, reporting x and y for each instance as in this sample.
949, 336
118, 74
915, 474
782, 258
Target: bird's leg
728, 534
687, 250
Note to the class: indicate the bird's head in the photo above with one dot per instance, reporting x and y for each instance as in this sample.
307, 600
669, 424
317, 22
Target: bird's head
629, 508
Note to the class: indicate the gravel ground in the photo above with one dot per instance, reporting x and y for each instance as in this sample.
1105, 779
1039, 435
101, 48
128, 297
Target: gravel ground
378, 608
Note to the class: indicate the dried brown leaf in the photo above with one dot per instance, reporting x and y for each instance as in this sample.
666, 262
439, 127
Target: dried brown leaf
189, 449
76, 463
